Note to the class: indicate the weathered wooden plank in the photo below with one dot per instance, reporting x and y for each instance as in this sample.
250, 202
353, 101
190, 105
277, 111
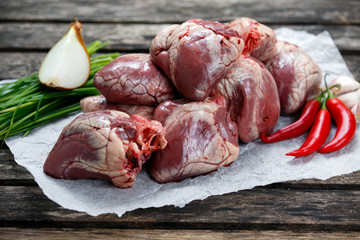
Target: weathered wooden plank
346, 181
353, 63
13, 174
284, 11
41, 36
17, 65
135, 37
260, 209
160, 234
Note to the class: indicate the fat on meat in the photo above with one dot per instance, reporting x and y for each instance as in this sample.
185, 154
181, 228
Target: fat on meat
252, 98
200, 139
259, 39
297, 76
134, 79
109, 145
196, 55
99, 102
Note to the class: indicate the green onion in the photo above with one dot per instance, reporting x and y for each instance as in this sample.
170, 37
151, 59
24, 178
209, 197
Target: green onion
26, 104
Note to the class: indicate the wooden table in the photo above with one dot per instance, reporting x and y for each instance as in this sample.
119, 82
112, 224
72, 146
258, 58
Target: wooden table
287, 210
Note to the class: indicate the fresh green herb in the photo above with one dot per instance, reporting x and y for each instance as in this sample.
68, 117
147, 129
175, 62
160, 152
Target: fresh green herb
26, 104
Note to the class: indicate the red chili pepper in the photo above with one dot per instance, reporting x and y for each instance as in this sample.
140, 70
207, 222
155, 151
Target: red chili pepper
318, 134
300, 126
345, 122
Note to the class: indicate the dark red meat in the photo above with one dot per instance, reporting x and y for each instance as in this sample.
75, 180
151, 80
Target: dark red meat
201, 138
295, 73
196, 55
134, 79
99, 102
252, 98
296, 76
109, 145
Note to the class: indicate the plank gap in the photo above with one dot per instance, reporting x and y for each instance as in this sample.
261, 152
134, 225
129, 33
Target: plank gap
302, 227
279, 186
78, 233
310, 186
18, 182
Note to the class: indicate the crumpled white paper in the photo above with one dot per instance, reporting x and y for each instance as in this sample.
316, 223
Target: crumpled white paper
258, 163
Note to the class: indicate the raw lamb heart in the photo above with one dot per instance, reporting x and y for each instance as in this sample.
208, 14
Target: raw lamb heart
134, 79
201, 138
296, 76
196, 55
99, 102
252, 98
109, 145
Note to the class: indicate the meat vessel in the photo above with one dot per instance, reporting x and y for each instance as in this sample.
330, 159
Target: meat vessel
259, 39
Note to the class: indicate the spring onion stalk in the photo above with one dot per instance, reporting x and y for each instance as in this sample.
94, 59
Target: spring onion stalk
26, 104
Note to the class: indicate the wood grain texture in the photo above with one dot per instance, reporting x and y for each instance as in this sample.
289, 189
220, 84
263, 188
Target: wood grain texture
18, 65
135, 37
250, 209
88, 234
305, 209
353, 63
160, 11
15, 65
12, 174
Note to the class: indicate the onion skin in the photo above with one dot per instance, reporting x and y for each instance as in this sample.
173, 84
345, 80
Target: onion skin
69, 77
77, 26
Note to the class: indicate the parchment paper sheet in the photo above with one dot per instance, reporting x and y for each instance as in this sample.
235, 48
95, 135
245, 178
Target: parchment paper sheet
257, 164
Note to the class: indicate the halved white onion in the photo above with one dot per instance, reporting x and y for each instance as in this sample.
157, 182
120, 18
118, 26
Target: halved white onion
67, 64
